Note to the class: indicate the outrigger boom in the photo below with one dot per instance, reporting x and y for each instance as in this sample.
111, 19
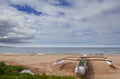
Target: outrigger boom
82, 66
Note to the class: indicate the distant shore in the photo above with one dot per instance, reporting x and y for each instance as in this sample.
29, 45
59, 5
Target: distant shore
43, 63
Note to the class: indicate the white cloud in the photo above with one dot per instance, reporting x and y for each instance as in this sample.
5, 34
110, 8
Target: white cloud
84, 22
14, 27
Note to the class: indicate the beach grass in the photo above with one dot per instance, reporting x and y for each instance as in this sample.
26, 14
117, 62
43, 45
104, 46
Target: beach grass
13, 72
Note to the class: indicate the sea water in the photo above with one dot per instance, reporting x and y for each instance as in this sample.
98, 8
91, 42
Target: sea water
60, 50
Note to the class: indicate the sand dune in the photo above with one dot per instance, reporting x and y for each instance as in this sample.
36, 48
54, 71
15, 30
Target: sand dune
44, 64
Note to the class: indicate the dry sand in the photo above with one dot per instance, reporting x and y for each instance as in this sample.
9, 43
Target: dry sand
44, 64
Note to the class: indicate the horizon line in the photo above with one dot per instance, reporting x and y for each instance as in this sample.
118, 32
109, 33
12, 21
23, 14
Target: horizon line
58, 45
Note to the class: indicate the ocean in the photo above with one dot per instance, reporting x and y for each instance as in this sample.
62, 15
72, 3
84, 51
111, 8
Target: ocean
60, 50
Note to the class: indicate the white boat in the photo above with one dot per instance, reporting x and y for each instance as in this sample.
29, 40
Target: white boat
82, 66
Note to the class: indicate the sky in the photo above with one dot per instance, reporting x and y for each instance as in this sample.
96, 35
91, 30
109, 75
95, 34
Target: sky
28, 23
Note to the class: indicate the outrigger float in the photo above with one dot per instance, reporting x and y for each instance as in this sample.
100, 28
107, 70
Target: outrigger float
82, 65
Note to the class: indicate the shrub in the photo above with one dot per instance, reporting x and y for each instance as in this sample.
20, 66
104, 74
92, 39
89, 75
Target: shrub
12, 72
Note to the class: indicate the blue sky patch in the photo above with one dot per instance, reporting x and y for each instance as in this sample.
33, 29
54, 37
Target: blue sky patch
64, 3
27, 9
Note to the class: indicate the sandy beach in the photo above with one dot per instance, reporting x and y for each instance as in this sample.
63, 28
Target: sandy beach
44, 64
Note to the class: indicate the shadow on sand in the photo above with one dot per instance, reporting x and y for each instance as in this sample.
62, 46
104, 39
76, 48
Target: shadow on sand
115, 67
90, 71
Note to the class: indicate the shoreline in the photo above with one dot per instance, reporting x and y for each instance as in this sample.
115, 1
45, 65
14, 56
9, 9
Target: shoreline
43, 63
81, 54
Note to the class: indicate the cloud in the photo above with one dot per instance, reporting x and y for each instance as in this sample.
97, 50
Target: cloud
13, 27
64, 22
85, 23
12, 32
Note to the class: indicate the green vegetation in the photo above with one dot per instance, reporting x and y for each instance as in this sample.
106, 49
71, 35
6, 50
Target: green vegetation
12, 72
82, 61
